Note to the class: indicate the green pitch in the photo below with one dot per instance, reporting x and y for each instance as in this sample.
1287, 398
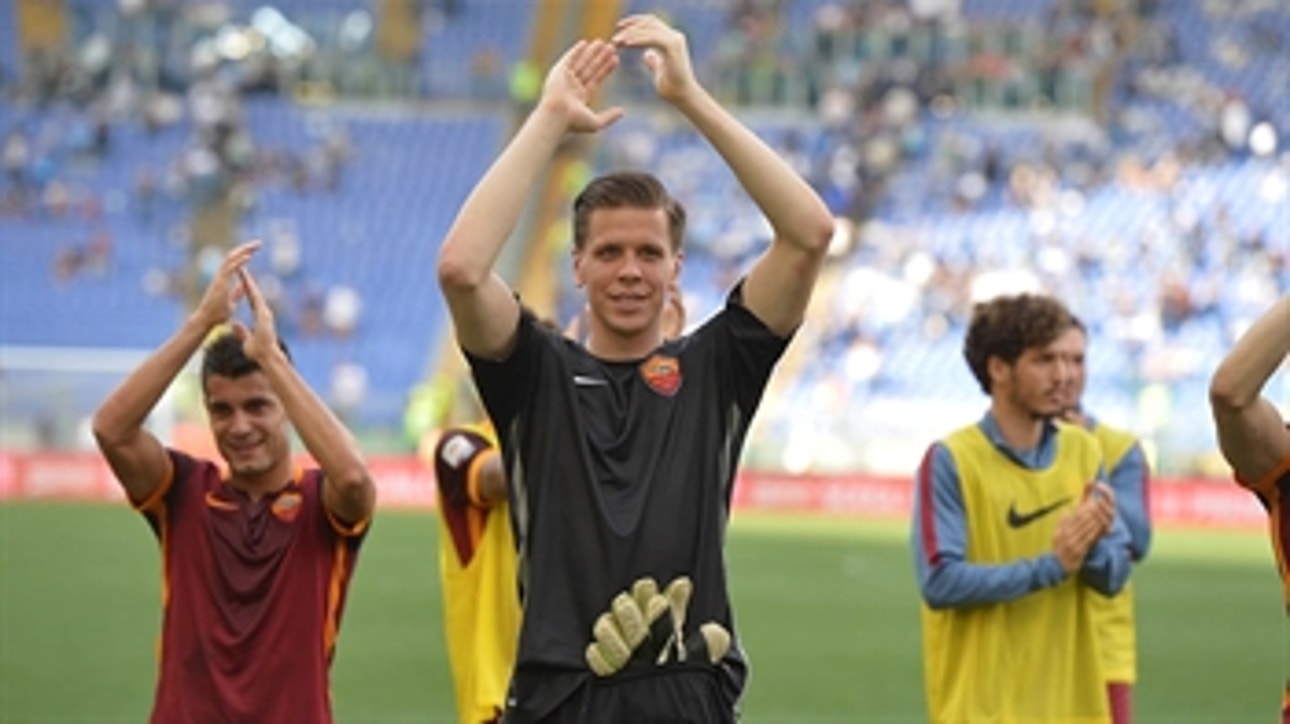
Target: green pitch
827, 609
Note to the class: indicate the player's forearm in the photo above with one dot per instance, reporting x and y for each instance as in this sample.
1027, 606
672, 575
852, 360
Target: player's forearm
1129, 479
492, 211
126, 408
324, 436
956, 583
1138, 523
1107, 566
1251, 433
1240, 377
797, 214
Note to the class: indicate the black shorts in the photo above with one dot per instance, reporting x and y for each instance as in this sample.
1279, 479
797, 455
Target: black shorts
667, 695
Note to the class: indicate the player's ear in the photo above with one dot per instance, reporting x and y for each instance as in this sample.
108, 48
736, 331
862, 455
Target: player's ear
998, 369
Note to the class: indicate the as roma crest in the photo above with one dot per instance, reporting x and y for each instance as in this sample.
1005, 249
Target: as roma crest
287, 506
662, 374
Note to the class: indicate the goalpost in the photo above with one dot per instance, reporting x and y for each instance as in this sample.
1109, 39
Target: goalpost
48, 395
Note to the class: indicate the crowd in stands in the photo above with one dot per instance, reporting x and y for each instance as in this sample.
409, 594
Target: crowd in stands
1160, 215
1127, 156
121, 139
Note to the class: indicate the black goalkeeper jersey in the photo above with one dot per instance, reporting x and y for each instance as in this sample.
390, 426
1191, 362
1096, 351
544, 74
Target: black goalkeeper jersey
619, 470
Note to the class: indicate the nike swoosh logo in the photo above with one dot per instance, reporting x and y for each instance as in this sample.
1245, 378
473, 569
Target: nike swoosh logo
1020, 520
585, 381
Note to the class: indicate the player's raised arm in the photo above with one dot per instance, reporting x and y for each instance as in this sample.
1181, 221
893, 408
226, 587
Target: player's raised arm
348, 491
136, 456
483, 308
779, 285
1251, 433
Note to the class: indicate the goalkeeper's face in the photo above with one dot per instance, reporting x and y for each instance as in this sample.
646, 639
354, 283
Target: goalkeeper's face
627, 266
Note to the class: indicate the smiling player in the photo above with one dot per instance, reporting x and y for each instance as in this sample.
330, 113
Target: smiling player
257, 556
621, 452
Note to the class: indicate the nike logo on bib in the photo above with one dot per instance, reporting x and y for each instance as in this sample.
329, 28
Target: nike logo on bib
1020, 520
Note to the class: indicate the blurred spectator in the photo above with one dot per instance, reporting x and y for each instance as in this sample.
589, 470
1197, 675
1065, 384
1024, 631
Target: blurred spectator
57, 199
342, 308
312, 305
348, 388
488, 72
98, 256
335, 155
145, 193
17, 154
68, 264
1234, 122
524, 84
284, 252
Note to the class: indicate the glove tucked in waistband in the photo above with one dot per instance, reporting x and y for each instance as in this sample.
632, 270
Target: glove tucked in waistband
635, 630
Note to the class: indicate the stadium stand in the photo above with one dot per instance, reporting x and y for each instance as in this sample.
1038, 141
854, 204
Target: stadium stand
361, 192
1137, 219
1132, 162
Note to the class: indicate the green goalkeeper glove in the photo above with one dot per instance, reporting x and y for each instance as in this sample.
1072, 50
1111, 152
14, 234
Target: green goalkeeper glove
635, 629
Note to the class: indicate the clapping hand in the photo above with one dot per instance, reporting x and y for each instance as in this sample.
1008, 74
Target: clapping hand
667, 55
575, 78
1078, 531
225, 289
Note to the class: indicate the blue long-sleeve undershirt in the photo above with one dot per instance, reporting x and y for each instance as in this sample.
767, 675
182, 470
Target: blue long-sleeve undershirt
1129, 479
947, 580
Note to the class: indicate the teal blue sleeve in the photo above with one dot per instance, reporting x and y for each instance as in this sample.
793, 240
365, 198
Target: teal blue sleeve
1108, 563
1129, 480
939, 542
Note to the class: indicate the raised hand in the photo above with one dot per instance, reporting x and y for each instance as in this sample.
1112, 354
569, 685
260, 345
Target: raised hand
667, 56
263, 335
575, 78
225, 289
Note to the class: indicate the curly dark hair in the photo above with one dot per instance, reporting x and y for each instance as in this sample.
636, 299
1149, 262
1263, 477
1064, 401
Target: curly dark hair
225, 357
1007, 326
627, 189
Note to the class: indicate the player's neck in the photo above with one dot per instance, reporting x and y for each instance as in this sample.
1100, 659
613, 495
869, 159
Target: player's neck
261, 484
1021, 429
612, 347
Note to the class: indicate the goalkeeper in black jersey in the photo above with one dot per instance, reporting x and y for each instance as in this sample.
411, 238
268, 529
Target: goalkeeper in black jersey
620, 452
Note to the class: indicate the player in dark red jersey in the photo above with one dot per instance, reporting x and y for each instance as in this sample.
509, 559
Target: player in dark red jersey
621, 453
257, 554
1253, 436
